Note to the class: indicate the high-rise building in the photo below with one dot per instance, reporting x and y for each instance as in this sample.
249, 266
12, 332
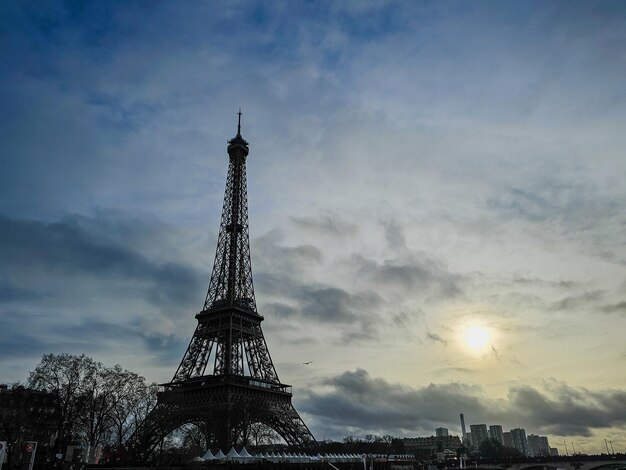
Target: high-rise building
544, 446
468, 439
507, 440
538, 446
554, 452
495, 432
533, 445
518, 439
463, 431
479, 434
441, 432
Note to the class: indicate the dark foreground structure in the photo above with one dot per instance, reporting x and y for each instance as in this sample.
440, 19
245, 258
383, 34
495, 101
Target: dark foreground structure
27, 419
258, 466
226, 380
406, 462
368, 464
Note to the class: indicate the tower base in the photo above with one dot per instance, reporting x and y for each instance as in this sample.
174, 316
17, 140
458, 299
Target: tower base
225, 406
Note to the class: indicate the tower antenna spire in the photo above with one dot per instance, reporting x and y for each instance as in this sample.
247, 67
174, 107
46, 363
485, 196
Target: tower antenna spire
239, 122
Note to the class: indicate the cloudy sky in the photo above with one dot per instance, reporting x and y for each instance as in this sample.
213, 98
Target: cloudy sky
436, 192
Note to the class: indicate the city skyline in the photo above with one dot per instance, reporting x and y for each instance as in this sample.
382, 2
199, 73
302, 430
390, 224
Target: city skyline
435, 190
531, 446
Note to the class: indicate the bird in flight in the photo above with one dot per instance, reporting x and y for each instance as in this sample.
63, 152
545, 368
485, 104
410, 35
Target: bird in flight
307, 363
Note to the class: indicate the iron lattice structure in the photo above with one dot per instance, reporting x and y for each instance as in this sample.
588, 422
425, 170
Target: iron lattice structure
241, 387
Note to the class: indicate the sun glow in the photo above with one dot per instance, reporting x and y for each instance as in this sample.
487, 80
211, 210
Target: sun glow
477, 338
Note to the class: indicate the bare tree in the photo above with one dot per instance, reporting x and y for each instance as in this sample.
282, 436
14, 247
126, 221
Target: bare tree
65, 376
98, 404
136, 399
261, 434
103, 393
147, 399
195, 437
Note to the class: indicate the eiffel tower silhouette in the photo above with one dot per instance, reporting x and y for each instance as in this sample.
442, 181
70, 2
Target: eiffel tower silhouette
226, 380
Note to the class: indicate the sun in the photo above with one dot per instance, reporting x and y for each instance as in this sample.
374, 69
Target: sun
476, 338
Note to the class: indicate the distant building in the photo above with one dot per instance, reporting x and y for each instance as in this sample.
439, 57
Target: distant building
533, 445
479, 434
27, 415
495, 432
441, 432
507, 440
518, 438
544, 446
463, 432
468, 439
554, 452
538, 446
428, 446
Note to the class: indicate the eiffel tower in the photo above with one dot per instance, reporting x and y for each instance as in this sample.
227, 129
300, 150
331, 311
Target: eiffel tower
226, 380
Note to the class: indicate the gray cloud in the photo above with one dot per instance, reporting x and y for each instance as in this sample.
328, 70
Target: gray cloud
327, 304
65, 249
619, 307
528, 204
578, 301
454, 370
282, 277
352, 401
534, 281
10, 293
579, 211
331, 303
102, 285
436, 338
565, 410
330, 224
96, 336
410, 273
271, 258
394, 234
556, 198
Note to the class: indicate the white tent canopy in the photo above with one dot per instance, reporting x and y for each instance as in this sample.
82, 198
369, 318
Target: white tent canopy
232, 454
208, 455
244, 454
219, 455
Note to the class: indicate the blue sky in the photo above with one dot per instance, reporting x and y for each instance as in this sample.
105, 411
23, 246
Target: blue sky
417, 170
